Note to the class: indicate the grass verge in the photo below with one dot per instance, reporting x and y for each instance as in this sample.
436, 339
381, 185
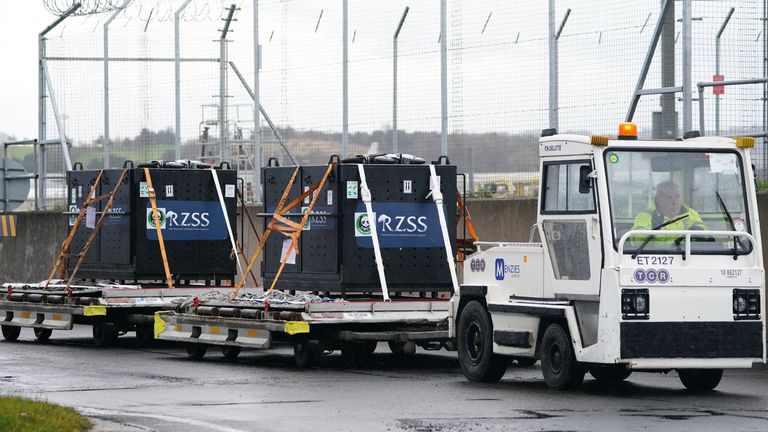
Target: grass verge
19, 414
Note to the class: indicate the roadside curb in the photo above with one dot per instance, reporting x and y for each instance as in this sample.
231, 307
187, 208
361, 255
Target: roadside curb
101, 425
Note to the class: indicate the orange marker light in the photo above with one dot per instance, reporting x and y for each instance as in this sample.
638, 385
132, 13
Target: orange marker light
628, 131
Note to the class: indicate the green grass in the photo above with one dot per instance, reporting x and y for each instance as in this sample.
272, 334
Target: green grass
19, 414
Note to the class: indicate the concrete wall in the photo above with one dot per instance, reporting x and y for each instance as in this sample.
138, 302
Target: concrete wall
31, 254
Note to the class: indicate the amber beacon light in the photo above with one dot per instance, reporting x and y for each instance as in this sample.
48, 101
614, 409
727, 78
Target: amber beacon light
628, 131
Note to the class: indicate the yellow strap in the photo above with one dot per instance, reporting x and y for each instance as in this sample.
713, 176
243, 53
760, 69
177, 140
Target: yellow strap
68, 240
156, 219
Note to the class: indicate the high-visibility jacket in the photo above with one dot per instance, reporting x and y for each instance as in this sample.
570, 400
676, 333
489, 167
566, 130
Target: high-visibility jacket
652, 217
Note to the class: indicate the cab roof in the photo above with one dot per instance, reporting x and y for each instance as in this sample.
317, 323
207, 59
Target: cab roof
574, 145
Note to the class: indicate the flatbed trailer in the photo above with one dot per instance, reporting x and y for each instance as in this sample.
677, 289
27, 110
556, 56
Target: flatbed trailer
352, 326
112, 310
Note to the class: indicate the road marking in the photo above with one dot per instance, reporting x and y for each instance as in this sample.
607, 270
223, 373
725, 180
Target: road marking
186, 421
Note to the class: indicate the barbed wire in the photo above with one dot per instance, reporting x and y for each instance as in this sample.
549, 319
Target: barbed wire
87, 7
144, 10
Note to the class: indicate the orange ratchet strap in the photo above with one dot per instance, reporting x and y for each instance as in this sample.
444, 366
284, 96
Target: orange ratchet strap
65, 246
293, 230
156, 220
92, 235
267, 232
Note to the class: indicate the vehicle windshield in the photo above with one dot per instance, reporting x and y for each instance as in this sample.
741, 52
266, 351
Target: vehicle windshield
677, 190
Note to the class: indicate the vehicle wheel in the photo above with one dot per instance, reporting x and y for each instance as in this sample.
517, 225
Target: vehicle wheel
351, 355
368, 347
558, 362
42, 334
396, 348
104, 334
700, 380
526, 361
196, 351
145, 334
610, 373
401, 348
306, 352
475, 346
11, 333
231, 352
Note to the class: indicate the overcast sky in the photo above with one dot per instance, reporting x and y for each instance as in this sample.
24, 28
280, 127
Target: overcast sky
20, 23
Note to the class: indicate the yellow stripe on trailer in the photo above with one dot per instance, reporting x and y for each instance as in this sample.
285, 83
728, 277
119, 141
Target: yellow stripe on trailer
4, 227
94, 310
12, 224
296, 327
159, 325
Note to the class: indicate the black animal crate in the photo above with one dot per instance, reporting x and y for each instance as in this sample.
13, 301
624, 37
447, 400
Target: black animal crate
336, 250
192, 222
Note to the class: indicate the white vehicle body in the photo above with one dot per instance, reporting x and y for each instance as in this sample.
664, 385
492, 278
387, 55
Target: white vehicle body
591, 266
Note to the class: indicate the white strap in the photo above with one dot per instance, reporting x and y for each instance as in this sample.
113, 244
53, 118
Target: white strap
226, 219
437, 197
365, 194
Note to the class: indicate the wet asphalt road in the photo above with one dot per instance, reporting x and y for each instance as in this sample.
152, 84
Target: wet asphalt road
159, 389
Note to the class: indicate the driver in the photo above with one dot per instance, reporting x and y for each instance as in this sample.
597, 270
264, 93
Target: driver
667, 206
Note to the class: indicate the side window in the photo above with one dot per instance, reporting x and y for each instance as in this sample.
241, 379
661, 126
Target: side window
561, 189
564, 237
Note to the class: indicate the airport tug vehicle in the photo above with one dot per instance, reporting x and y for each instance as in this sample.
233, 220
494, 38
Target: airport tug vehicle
625, 278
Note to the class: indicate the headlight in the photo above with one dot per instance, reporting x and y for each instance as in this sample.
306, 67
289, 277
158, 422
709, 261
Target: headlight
739, 304
746, 304
635, 304
640, 304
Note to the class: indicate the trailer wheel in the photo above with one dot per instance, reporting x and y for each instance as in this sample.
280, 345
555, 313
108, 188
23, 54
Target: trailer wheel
475, 346
231, 352
367, 348
558, 362
526, 361
104, 334
42, 334
700, 380
610, 373
306, 352
11, 333
145, 335
196, 351
402, 348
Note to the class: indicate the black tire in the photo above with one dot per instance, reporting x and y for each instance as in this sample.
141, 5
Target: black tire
475, 345
526, 361
196, 351
367, 348
104, 334
11, 333
700, 380
350, 355
42, 335
145, 334
558, 361
231, 352
610, 373
402, 348
306, 352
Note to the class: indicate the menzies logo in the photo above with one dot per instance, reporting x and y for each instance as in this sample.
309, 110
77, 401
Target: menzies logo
502, 269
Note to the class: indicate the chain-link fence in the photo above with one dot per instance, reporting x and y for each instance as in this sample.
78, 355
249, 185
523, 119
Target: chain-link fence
498, 80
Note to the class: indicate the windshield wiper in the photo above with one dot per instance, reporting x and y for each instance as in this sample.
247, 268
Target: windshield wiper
733, 227
656, 228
